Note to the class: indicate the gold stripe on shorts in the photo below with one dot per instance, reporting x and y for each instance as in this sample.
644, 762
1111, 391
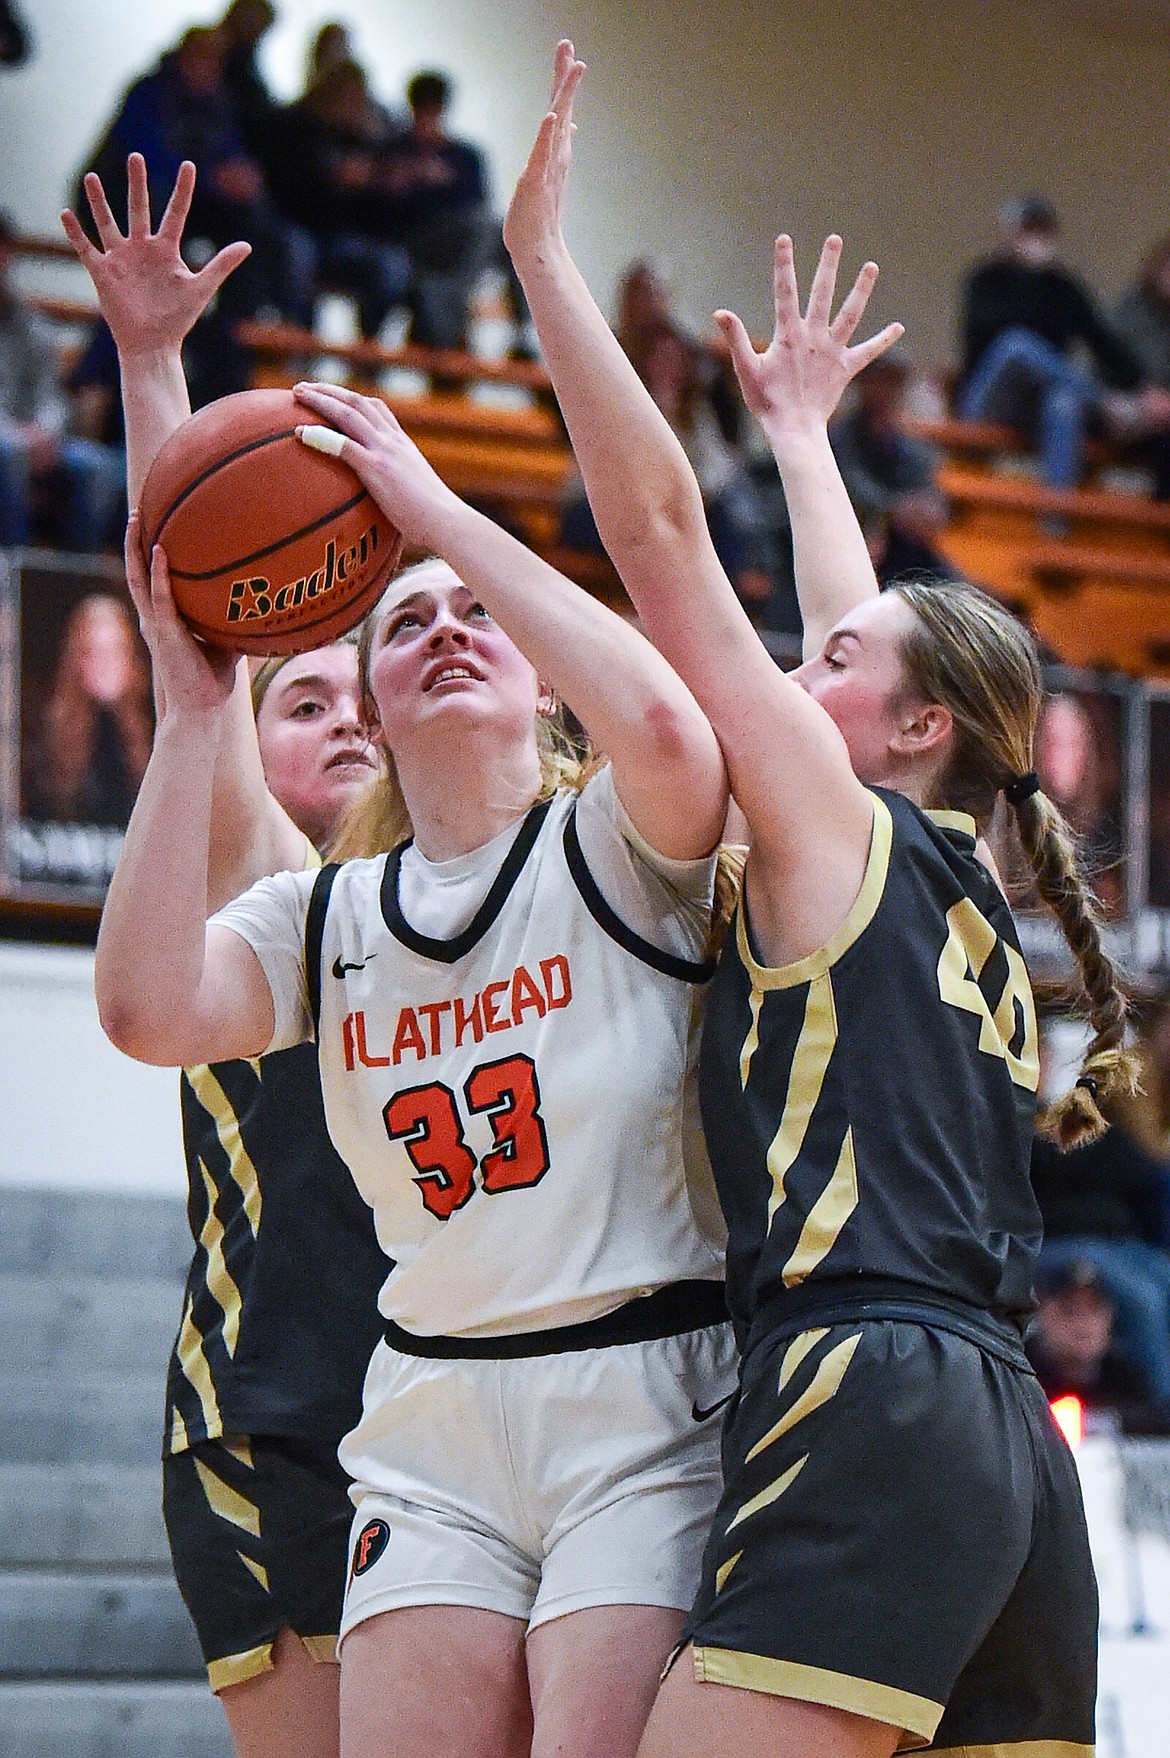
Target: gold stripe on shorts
1017, 1749
814, 1684
235, 1668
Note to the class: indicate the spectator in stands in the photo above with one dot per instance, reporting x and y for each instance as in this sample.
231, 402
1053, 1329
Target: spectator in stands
1109, 1203
38, 453
438, 197
671, 368
1142, 320
324, 176
1072, 1347
240, 30
1024, 315
15, 41
184, 110
890, 475
89, 756
332, 45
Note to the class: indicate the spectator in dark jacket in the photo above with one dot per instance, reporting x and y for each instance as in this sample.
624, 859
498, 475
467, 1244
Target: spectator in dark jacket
1024, 316
241, 29
890, 474
324, 179
1142, 320
437, 191
1072, 1347
15, 42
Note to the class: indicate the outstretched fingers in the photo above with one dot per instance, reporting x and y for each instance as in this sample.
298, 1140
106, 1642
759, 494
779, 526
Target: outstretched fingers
103, 217
854, 304
213, 274
824, 282
87, 252
137, 197
867, 352
785, 294
179, 205
744, 357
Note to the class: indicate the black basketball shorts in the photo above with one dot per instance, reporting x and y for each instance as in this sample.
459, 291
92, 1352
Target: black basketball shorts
901, 1536
259, 1536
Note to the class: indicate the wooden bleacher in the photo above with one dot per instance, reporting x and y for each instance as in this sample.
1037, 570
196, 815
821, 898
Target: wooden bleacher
1098, 592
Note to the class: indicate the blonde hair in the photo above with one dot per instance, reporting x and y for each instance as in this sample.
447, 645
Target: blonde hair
970, 655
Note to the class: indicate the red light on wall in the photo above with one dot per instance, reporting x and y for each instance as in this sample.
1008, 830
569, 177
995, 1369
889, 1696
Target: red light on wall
1069, 1416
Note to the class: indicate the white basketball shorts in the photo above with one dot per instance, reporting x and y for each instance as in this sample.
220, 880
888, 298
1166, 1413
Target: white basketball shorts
540, 1485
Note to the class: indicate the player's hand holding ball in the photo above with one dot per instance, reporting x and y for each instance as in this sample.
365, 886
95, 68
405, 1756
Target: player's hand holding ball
366, 436
189, 676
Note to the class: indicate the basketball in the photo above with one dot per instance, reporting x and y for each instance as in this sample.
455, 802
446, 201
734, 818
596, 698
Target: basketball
272, 547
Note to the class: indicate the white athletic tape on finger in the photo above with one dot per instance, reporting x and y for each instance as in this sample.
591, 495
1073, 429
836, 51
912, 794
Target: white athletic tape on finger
323, 439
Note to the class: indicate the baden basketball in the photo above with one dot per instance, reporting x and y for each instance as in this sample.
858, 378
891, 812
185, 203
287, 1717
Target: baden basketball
272, 548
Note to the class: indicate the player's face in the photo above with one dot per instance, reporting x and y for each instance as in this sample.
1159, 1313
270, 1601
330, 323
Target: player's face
438, 659
858, 679
315, 751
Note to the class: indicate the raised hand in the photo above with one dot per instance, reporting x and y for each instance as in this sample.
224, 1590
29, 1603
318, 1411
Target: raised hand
797, 381
364, 434
148, 295
188, 675
537, 206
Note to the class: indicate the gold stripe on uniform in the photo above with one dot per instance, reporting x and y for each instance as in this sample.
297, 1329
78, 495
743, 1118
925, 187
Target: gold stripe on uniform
818, 1036
824, 1385
221, 1284
724, 1570
179, 1439
813, 1684
196, 1370
216, 1103
258, 1569
796, 1352
752, 1042
227, 1502
826, 1217
235, 1668
240, 1448
767, 1496
1017, 1749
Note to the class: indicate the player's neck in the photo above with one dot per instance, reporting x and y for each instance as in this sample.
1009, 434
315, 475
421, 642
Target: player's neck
467, 797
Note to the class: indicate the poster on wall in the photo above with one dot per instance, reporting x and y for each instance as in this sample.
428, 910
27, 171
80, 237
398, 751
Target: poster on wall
78, 723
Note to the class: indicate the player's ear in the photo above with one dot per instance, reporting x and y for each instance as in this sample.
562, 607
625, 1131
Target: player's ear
547, 702
923, 730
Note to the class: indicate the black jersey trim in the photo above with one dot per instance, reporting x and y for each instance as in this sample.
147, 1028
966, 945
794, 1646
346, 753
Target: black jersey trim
865, 906
668, 1312
611, 923
450, 951
314, 936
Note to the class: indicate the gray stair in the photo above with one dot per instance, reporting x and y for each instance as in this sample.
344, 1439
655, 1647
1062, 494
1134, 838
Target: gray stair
63, 1418
90, 1516
53, 1323
98, 1658
111, 1720
104, 1625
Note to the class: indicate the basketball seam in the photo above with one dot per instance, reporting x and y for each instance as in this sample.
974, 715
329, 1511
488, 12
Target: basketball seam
265, 439
258, 555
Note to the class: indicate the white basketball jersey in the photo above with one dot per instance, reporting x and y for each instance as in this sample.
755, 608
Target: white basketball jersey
516, 1102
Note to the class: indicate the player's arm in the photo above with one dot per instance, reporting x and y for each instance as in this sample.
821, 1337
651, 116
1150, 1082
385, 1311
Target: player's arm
792, 388
789, 769
169, 989
150, 299
667, 766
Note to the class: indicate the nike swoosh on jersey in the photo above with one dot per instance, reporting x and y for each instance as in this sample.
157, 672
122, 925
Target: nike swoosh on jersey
701, 1415
340, 969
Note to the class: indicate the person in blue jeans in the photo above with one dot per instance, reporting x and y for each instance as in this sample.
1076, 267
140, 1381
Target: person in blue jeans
1024, 318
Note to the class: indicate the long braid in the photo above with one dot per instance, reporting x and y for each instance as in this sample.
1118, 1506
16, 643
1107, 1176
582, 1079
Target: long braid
1108, 1069
970, 654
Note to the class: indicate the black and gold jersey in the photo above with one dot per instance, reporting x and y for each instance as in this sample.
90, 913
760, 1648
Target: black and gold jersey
869, 1108
280, 1313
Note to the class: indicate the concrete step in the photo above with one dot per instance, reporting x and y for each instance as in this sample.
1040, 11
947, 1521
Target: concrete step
109, 1624
92, 1234
102, 1720
84, 1324
90, 1419
90, 1516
